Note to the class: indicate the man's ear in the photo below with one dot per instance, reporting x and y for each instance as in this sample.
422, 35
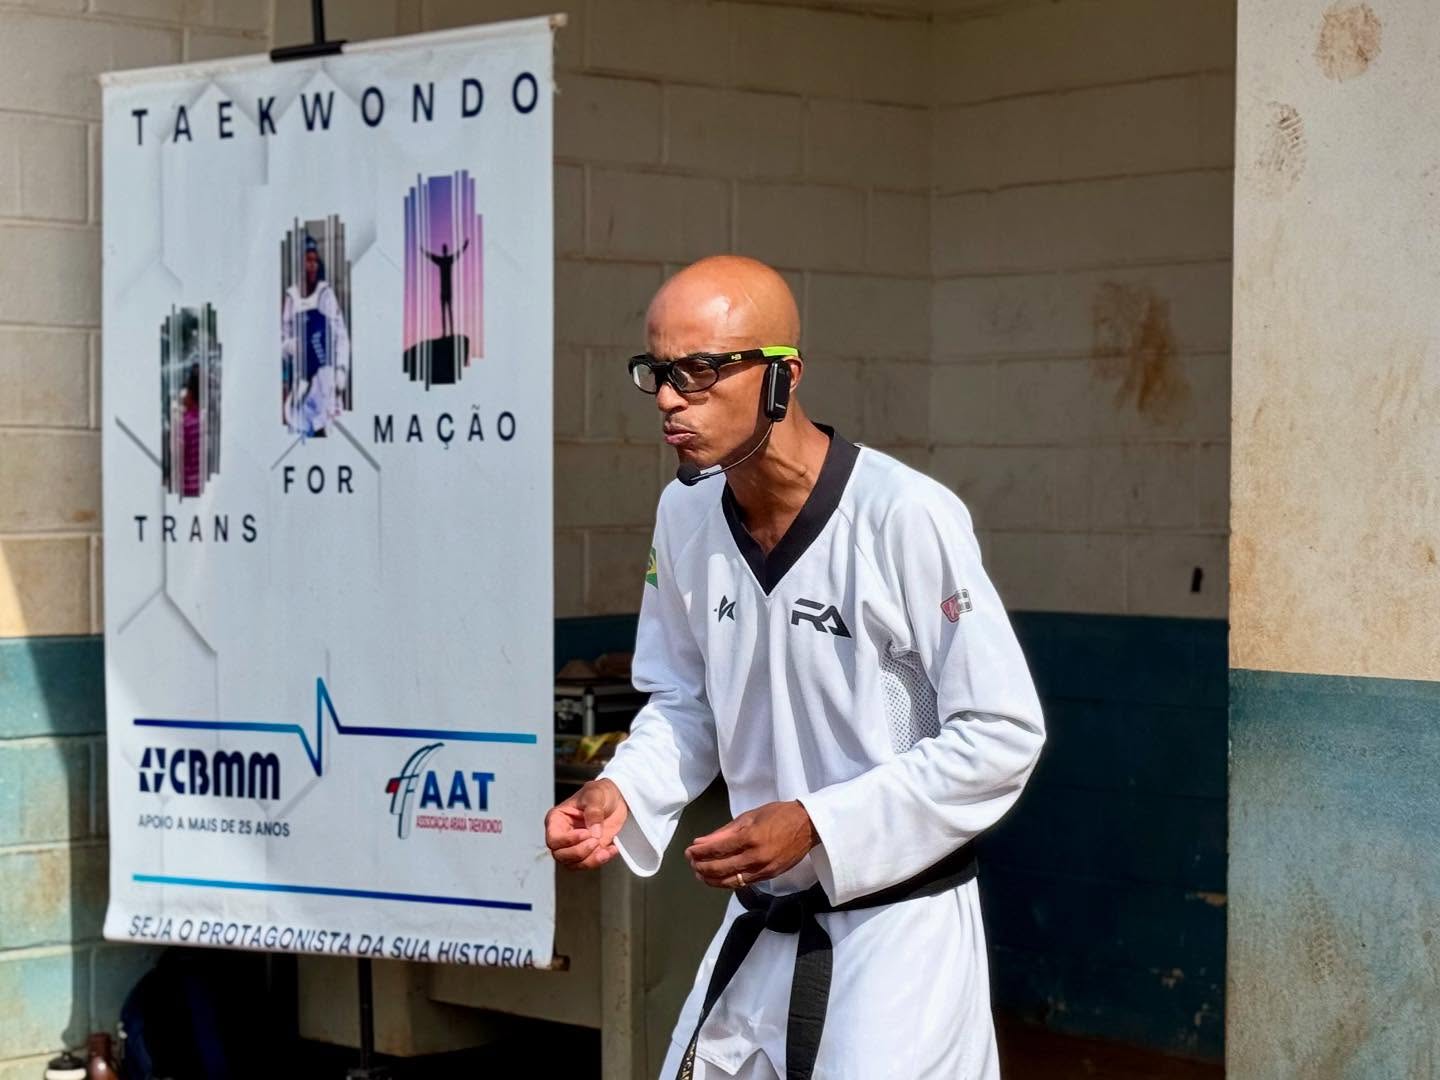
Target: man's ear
797, 369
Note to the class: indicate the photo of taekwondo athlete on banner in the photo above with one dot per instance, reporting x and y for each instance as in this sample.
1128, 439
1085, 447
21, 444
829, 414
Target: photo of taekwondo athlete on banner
315, 377
189, 400
443, 279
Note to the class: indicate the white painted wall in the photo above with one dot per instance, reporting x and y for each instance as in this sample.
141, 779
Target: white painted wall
1337, 345
1080, 247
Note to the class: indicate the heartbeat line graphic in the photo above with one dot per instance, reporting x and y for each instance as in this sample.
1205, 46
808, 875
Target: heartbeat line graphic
323, 704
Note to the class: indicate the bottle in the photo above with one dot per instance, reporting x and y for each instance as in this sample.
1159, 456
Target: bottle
101, 1063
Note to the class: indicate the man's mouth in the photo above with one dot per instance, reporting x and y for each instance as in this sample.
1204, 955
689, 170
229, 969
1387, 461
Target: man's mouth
679, 436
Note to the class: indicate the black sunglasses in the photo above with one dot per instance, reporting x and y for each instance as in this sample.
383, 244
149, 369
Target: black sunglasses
696, 372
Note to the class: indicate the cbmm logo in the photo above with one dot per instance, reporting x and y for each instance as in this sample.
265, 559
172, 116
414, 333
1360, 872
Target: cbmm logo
226, 774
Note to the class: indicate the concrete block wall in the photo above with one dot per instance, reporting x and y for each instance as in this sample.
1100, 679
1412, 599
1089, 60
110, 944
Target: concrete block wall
1081, 242
57, 979
798, 135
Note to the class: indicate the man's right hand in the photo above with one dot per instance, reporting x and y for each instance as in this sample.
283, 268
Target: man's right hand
581, 831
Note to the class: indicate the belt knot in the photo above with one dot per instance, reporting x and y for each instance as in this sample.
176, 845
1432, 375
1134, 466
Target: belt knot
784, 914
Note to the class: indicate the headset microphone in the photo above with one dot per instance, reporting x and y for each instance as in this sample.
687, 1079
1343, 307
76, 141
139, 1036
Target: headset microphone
690, 474
774, 402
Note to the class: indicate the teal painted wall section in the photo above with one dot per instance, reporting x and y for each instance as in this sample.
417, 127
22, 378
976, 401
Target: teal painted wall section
58, 980
1104, 888
1334, 919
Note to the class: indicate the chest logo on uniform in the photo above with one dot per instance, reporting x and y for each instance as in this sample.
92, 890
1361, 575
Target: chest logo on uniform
827, 619
726, 610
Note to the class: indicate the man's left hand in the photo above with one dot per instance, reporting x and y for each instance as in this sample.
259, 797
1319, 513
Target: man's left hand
758, 845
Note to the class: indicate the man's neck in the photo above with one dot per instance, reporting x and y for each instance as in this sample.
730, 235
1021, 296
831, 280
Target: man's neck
772, 487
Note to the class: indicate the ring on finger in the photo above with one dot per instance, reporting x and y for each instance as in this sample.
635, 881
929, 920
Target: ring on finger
739, 880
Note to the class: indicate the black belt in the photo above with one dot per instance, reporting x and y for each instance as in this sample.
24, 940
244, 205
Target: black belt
794, 913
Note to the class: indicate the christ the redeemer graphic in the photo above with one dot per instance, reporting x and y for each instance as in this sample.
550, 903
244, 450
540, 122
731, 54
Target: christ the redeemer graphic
445, 264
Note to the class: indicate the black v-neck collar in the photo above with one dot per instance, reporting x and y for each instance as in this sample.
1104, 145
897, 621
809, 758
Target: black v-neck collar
819, 505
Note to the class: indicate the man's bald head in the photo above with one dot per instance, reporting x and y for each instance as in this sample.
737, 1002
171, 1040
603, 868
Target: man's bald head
722, 303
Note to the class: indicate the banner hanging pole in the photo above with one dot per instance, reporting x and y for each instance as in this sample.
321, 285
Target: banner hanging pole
318, 47
367, 1070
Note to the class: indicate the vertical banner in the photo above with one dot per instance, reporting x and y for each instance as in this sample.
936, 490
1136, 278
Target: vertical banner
328, 592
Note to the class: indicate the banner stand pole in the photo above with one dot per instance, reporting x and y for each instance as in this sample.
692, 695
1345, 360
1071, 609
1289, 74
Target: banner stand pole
318, 47
367, 1069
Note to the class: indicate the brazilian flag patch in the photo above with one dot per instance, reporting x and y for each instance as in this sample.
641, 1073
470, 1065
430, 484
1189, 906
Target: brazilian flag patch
651, 573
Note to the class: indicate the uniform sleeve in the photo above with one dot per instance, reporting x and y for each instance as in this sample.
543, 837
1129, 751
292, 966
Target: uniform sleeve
339, 337
889, 823
670, 757
287, 327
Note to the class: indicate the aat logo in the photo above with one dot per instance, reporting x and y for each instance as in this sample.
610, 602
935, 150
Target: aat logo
443, 803
402, 787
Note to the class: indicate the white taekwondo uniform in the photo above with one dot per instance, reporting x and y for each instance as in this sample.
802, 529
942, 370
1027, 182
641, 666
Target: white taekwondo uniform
865, 667
316, 343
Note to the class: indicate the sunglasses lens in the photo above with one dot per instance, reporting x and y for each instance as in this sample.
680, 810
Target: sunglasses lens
644, 376
692, 375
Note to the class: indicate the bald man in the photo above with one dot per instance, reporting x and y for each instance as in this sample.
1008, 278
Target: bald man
816, 627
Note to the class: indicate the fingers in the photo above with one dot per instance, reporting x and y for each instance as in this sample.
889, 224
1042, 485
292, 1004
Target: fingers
577, 849
721, 844
599, 856
580, 832
562, 827
573, 856
592, 804
722, 873
603, 808
718, 856
610, 827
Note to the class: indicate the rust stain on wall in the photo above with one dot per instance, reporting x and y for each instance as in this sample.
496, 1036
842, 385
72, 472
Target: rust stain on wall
1349, 41
1281, 155
1134, 346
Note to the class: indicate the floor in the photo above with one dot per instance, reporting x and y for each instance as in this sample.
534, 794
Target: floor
1026, 1053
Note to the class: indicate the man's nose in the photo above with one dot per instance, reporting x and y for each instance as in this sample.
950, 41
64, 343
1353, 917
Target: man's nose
668, 399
